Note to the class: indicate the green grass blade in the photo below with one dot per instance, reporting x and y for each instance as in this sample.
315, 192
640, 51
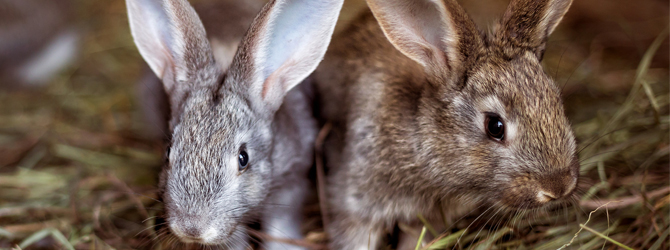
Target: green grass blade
649, 55
652, 100
660, 240
488, 243
418, 243
595, 241
37, 236
61, 239
5, 233
428, 225
605, 237
447, 241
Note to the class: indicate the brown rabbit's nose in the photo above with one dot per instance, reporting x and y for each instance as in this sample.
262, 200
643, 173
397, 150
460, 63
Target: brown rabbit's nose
543, 196
555, 187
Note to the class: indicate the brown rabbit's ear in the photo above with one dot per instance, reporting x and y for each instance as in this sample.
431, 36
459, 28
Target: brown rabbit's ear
172, 40
284, 44
437, 34
527, 24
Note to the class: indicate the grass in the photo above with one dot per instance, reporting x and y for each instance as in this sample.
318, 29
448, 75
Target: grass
78, 170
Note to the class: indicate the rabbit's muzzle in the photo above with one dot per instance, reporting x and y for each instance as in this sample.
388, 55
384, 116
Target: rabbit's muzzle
527, 192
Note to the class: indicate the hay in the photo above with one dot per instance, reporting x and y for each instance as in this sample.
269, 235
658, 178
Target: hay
78, 172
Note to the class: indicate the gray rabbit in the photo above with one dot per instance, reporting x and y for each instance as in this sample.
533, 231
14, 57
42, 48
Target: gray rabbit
439, 113
241, 131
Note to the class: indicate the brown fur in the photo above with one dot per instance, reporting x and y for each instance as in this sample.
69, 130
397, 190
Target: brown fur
410, 135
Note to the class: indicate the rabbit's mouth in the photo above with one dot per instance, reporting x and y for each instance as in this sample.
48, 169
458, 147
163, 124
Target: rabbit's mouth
211, 236
203, 231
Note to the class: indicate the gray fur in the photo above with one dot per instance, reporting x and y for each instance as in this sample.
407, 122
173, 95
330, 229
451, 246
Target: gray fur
411, 135
221, 104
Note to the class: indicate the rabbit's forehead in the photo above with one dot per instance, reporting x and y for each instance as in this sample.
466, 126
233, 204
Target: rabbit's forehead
218, 126
520, 85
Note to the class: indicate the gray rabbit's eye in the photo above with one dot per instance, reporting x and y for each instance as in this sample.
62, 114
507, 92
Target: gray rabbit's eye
243, 159
495, 127
167, 154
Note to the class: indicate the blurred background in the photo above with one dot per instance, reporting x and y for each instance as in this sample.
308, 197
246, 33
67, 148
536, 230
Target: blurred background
79, 163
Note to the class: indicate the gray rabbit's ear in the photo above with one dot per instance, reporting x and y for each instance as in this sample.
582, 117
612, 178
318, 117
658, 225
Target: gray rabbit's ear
284, 44
172, 40
527, 24
437, 34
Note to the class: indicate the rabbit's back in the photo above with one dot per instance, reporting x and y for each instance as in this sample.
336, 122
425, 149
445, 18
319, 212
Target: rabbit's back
370, 61
370, 105
376, 95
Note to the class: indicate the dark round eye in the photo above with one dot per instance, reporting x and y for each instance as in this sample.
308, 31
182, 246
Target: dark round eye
167, 154
243, 158
495, 127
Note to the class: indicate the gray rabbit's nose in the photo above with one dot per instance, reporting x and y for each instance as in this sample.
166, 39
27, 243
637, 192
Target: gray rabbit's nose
192, 232
189, 233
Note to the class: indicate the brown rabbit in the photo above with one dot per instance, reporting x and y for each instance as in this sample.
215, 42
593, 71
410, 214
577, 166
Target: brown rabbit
439, 113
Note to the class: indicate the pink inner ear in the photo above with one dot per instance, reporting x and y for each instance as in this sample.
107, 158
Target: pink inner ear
168, 60
278, 77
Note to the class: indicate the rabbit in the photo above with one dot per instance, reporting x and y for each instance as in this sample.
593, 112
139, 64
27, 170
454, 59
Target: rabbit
225, 32
440, 113
241, 132
39, 39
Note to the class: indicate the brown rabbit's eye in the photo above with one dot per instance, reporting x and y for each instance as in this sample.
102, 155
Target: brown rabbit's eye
495, 127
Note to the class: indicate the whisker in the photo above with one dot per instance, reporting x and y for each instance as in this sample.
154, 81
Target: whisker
466, 229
